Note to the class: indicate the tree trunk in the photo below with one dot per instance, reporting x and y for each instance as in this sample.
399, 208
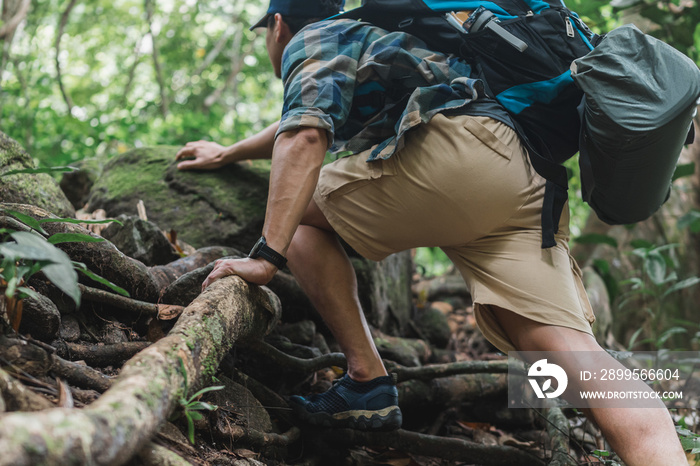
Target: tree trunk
121, 422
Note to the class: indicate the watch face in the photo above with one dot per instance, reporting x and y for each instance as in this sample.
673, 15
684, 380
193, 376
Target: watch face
256, 249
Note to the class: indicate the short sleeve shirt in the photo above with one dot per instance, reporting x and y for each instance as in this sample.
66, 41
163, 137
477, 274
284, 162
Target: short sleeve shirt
366, 86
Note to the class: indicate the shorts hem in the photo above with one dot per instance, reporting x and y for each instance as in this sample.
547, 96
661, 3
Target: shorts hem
342, 228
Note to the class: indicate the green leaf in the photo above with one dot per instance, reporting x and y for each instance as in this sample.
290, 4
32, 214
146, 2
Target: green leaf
682, 170
687, 283
690, 443
73, 238
195, 415
634, 337
29, 171
82, 268
641, 244
655, 267
668, 334
596, 238
64, 277
201, 405
11, 287
27, 220
78, 222
58, 269
23, 290
31, 247
205, 390
602, 266
190, 428
690, 220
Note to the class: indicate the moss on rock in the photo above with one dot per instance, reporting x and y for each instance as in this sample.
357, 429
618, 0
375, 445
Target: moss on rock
222, 207
38, 189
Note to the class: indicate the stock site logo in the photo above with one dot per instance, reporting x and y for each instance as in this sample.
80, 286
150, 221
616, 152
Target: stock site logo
543, 369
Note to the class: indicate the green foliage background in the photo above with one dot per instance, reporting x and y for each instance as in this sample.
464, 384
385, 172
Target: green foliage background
216, 79
108, 72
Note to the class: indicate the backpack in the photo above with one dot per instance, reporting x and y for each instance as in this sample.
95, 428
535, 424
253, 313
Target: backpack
633, 128
523, 51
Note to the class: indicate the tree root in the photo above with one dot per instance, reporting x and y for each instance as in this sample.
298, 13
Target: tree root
451, 449
158, 455
255, 438
134, 306
101, 355
558, 430
80, 375
297, 364
427, 372
17, 397
433, 371
148, 389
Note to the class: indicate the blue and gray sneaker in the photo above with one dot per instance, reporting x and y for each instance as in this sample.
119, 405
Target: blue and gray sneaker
369, 405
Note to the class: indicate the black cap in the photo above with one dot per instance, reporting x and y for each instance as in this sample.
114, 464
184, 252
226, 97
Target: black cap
299, 8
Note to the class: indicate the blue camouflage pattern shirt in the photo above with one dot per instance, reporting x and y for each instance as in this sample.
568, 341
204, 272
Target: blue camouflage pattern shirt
366, 86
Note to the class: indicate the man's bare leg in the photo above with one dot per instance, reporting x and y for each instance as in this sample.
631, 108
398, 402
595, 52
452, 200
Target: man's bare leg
641, 436
325, 273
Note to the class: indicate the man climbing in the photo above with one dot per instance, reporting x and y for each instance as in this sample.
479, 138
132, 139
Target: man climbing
434, 163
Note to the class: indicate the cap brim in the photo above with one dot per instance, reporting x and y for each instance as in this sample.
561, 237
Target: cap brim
261, 23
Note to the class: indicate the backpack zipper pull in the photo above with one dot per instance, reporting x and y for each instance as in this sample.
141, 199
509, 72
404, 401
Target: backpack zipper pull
569, 27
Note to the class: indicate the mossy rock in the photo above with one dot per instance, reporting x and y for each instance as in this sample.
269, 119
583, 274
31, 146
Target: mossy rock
37, 189
224, 207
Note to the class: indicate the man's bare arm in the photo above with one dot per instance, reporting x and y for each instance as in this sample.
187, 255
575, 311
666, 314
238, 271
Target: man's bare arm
296, 163
207, 155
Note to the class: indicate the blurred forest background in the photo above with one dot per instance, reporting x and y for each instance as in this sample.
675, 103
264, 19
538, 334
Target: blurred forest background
87, 80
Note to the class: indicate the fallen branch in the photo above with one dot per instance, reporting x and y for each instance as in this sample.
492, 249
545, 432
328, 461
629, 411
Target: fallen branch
101, 355
451, 449
121, 422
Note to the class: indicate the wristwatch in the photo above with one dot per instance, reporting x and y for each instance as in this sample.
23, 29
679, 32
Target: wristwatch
261, 249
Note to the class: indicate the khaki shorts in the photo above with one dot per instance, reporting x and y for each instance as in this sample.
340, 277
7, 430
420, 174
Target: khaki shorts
463, 184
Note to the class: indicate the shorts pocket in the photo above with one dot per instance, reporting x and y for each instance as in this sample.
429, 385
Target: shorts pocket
479, 127
350, 173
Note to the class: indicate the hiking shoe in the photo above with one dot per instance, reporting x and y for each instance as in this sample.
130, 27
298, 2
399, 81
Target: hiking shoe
369, 405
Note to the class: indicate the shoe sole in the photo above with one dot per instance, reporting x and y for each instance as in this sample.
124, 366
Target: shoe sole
382, 420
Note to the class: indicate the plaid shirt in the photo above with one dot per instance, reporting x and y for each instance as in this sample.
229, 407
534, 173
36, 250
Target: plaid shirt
366, 87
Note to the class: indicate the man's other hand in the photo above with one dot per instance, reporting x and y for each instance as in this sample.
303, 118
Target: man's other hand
258, 271
201, 155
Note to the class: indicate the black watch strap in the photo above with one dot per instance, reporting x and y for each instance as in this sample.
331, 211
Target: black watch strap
261, 249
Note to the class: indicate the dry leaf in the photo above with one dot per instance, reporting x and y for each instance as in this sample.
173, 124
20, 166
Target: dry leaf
65, 397
243, 453
169, 311
510, 441
474, 425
